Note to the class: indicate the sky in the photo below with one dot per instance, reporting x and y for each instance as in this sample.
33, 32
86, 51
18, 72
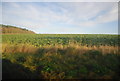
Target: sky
62, 17
60, 0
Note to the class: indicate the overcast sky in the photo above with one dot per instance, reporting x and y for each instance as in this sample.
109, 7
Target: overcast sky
63, 17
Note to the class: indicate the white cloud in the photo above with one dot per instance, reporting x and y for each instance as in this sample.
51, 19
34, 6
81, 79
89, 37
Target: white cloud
77, 14
42, 15
112, 15
83, 13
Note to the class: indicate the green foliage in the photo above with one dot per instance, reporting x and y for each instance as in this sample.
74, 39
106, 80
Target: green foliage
63, 62
40, 40
74, 66
94, 54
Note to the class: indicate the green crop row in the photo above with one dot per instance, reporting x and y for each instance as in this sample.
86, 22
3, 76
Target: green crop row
63, 39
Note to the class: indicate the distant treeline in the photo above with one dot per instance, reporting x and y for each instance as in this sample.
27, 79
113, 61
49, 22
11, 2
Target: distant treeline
7, 29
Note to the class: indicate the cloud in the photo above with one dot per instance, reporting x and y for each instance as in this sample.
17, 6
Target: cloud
90, 14
42, 15
46, 15
112, 15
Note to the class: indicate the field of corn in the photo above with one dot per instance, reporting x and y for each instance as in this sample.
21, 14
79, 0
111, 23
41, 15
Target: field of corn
61, 56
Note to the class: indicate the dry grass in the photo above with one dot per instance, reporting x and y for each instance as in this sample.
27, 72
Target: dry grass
20, 48
77, 49
69, 49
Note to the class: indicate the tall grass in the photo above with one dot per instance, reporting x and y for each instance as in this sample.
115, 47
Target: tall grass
64, 61
21, 48
72, 48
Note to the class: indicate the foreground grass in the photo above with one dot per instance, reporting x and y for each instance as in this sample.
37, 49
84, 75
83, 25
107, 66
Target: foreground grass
60, 61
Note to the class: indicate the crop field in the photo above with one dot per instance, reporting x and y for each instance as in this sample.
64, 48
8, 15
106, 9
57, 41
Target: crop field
63, 39
61, 56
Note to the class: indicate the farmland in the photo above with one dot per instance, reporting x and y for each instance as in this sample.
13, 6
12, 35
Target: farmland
62, 39
61, 56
